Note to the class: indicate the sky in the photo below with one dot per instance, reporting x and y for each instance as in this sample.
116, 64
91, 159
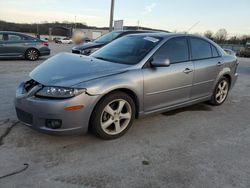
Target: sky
170, 15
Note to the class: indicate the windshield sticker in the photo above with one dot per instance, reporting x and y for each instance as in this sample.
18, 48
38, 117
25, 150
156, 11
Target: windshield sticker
151, 39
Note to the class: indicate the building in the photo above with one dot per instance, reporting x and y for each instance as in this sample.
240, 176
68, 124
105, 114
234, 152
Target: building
91, 33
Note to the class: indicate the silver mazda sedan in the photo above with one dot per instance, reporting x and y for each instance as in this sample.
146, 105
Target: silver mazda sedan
133, 76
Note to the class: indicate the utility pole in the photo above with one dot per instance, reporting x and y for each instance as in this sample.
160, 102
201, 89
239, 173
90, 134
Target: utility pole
111, 15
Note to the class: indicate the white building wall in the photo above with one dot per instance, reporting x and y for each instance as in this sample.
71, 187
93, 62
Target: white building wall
92, 33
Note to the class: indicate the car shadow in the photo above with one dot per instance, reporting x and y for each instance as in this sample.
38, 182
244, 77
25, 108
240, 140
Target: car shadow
196, 107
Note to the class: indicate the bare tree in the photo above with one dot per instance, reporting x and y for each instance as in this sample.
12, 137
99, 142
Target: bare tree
221, 35
209, 34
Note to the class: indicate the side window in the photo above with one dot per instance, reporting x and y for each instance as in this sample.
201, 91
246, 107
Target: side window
1, 37
214, 51
12, 37
176, 50
201, 49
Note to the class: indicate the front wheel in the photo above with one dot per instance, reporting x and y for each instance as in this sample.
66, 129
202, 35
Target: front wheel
220, 92
113, 115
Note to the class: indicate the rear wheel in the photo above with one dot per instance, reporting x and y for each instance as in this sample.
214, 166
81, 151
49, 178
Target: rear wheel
113, 115
32, 54
220, 92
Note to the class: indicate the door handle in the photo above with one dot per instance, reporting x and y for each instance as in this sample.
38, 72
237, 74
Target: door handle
187, 70
219, 64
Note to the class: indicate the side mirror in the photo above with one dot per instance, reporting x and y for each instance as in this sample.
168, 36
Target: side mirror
160, 62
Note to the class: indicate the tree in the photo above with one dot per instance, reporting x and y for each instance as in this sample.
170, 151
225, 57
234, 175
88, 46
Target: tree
221, 35
209, 34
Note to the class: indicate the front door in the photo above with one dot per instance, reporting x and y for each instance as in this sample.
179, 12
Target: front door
168, 86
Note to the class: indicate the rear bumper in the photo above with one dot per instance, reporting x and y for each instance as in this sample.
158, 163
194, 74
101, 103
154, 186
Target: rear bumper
234, 79
44, 53
35, 112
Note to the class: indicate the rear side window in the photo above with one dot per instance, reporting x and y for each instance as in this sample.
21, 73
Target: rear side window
214, 51
176, 50
12, 37
1, 37
201, 49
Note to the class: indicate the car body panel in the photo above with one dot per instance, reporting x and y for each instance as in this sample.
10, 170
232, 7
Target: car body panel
205, 74
166, 86
156, 89
74, 69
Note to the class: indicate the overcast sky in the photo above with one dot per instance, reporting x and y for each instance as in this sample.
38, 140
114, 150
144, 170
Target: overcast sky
172, 15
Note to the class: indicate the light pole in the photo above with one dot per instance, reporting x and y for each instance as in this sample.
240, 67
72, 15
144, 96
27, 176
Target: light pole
111, 15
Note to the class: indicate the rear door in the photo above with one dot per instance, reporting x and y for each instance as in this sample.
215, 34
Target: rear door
168, 86
1, 44
207, 64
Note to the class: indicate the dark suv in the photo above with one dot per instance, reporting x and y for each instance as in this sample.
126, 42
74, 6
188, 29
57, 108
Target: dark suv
19, 45
90, 47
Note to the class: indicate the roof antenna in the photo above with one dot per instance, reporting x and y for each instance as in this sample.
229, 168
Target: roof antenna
193, 26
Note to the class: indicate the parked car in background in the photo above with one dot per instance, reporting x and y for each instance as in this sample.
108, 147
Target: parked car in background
90, 47
19, 45
65, 40
56, 39
248, 44
230, 52
133, 76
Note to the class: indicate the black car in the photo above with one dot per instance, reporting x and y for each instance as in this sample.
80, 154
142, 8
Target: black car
90, 47
19, 45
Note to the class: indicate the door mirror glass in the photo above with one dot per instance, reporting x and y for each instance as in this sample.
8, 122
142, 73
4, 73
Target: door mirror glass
160, 63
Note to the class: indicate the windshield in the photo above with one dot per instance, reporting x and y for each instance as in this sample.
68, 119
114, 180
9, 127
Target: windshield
107, 37
127, 50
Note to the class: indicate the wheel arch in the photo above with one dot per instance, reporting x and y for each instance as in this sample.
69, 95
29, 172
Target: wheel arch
228, 76
127, 91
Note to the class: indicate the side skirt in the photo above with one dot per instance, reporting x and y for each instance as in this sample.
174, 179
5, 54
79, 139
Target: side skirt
174, 107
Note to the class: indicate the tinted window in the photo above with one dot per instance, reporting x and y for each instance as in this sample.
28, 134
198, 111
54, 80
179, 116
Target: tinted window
176, 50
12, 37
108, 37
214, 51
127, 50
201, 49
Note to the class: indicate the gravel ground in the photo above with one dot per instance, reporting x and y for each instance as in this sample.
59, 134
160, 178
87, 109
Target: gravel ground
197, 146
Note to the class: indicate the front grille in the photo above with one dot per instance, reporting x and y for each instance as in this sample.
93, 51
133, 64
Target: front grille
30, 84
24, 116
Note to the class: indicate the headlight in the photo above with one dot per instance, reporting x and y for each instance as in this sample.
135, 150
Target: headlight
59, 92
89, 51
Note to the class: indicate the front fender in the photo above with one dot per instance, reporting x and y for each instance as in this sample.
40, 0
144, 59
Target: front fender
131, 80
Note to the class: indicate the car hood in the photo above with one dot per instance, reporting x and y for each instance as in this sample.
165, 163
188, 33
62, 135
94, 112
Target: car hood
88, 45
66, 70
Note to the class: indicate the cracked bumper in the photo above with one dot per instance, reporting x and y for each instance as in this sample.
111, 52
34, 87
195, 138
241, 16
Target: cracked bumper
34, 112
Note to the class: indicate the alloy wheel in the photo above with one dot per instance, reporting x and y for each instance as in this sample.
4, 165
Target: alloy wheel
221, 91
32, 55
116, 116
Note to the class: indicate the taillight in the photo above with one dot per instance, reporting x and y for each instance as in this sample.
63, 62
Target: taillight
45, 43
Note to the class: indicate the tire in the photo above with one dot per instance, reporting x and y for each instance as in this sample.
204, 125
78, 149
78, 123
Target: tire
32, 54
220, 92
108, 121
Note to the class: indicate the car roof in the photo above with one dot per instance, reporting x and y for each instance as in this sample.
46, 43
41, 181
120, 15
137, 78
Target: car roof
135, 31
12, 32
18, 33
166, 35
